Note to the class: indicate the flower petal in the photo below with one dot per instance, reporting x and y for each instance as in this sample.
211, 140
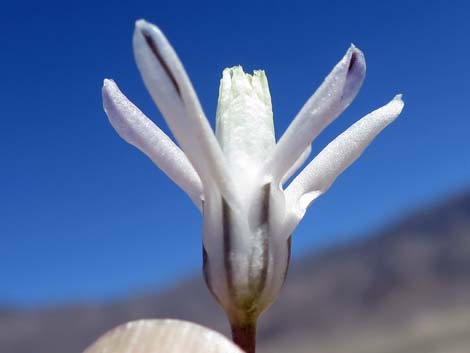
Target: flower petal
244, 265
171, 89
162, 336
138, 130
331, 98
322, 171
244, 128
297, 164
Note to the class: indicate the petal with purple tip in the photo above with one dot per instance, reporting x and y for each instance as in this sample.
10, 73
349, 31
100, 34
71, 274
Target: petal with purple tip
331, 98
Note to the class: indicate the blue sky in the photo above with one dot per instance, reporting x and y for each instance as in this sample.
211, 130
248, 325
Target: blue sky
86, 216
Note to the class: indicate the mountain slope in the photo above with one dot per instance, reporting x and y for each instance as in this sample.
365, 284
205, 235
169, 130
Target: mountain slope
402, 290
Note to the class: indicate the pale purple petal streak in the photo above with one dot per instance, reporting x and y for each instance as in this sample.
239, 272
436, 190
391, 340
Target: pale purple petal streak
331, 98
322, 171
138, 130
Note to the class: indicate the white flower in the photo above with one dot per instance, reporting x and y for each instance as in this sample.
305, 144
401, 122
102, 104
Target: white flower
236, 176
162, 336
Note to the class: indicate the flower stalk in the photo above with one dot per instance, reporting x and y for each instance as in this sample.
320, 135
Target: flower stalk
244, 335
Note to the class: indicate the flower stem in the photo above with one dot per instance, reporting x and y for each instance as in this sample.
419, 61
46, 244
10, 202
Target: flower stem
244, 335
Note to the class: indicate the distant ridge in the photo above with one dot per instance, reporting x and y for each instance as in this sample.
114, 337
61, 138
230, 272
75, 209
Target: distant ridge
405, 289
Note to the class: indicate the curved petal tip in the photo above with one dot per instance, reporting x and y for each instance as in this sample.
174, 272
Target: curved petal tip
355, 73
107, 82
142, 25
397, 104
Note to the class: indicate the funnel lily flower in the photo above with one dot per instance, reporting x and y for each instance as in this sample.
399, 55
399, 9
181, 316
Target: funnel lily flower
236, 177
